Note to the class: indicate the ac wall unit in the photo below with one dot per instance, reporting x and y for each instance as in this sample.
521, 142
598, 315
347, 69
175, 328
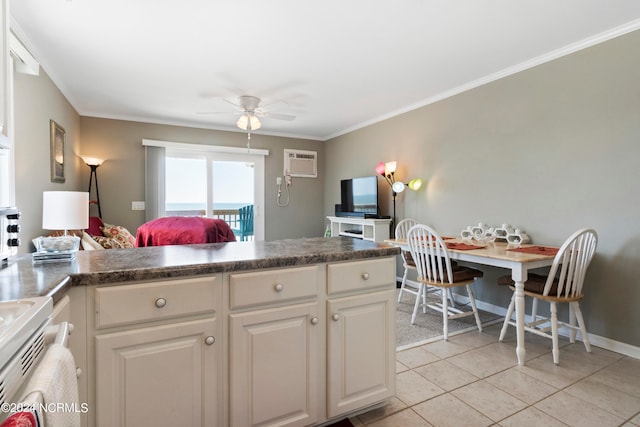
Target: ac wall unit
301, 163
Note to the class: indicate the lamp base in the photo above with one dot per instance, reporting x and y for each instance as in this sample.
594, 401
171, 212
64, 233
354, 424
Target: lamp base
56, 249
56, 244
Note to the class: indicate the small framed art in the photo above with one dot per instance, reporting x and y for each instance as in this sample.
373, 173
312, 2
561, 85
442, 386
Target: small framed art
57, 152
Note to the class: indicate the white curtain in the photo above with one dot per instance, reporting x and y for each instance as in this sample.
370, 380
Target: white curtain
154, 182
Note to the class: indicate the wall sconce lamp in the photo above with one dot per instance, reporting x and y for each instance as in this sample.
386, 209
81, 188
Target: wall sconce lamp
387, 171
93, 163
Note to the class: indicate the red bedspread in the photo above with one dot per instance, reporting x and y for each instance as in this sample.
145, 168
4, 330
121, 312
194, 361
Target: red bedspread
183, 230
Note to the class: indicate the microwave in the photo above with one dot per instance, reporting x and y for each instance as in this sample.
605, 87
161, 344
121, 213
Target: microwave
9, 229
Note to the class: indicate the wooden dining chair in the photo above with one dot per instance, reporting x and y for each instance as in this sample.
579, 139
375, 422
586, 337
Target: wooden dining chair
434, 267
402, 229
563, 284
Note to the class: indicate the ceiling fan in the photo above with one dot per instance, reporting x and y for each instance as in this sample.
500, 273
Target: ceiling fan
248, 108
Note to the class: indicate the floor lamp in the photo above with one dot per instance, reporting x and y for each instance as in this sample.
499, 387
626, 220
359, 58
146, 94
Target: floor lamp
93, 163
387, 171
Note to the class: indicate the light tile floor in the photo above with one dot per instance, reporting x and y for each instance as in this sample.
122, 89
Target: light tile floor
474, 380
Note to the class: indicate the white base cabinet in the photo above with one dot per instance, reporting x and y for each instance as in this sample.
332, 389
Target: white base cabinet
360, 351
316, 345
157, 376
154, 353
294, 346
274, 371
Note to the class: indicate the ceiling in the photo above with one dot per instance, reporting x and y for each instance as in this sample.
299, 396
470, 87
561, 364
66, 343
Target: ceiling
337, 65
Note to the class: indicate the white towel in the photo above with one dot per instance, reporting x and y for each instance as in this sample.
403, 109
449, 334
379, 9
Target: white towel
55, 377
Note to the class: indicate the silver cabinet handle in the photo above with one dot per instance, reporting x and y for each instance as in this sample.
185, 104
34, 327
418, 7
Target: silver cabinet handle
314, 320
365, 276
278, 287
161, 302
209, 340
336, 317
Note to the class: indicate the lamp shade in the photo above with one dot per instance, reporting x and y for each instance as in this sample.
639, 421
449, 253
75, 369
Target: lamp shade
398, 187
92, 161
415, 184
390, 167
65, 210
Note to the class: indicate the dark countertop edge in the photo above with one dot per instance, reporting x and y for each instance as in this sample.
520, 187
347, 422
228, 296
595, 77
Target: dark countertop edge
115, 277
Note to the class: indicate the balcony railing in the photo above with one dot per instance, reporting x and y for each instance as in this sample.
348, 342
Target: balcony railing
230, 216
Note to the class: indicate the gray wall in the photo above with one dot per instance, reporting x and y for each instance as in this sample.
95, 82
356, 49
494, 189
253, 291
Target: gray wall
36, 101
121, 177
551, 150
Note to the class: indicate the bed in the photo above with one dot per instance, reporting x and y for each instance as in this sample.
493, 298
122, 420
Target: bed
183, 230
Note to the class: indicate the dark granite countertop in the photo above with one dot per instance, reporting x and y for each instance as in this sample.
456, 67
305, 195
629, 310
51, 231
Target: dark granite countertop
22, 279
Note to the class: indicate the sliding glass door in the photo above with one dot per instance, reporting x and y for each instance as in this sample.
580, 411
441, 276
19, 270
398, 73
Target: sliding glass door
229, 186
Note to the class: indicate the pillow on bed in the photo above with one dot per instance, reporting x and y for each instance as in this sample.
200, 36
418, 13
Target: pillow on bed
95, 223
88, 243
119, 233
108, 242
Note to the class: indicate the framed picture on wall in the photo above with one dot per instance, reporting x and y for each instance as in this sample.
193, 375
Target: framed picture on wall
57, 152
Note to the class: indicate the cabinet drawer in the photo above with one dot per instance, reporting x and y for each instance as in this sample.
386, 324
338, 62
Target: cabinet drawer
273, 286
354, 275
121, 305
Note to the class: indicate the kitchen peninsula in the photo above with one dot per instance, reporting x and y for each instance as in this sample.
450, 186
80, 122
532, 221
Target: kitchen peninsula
289, 332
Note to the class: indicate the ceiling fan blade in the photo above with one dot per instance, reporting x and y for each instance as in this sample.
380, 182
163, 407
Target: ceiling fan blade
229, 113
238, 106
278, 116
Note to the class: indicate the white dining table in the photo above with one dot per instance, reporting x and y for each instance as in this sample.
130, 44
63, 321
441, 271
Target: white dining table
497, 254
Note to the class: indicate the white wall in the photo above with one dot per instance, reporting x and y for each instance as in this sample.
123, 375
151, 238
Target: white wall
551, 149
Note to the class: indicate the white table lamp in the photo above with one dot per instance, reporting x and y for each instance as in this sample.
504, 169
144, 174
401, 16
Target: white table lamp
63, 210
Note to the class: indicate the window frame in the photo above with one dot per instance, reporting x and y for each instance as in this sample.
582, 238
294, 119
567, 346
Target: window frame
155, 178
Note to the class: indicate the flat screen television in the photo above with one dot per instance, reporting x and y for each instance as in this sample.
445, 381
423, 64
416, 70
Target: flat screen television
358, 197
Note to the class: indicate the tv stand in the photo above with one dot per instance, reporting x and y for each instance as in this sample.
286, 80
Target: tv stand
373, 229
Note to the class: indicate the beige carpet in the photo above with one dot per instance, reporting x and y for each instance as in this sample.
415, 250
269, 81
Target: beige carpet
428, 326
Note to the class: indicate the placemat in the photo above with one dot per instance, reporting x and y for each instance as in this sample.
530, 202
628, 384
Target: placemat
462, 246
537, 250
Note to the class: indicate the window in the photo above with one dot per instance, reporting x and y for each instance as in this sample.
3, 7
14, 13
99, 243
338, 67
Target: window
204, 180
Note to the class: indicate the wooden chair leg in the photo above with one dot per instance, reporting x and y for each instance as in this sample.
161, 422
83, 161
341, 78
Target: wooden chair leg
451, 300
424, 299
507, 318
572, 322
534, 310
445, 314
554, 333
583, 329
421, 289
404, 281
472, 300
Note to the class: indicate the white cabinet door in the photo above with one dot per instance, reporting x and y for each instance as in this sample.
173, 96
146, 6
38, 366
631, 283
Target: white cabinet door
158, 376
360, 351
274, 367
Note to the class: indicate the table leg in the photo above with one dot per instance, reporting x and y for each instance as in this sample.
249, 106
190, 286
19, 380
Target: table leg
519, 297
519, 276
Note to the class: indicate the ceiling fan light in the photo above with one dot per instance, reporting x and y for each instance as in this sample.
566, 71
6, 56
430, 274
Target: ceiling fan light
248, 122
255, 123
243, 122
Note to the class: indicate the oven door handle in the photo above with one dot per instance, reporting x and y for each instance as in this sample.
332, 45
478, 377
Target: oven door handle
59, 333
